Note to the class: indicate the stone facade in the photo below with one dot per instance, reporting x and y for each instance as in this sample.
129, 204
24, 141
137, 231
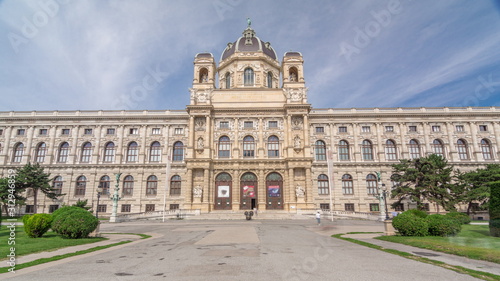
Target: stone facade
252, 141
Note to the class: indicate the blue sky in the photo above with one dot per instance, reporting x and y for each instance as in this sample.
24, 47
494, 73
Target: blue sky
90, 55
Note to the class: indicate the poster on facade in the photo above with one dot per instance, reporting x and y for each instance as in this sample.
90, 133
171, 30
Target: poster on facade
274, 191
249, 191
223, 191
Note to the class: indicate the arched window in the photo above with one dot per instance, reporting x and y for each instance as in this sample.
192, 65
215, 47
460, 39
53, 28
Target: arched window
269, 79
323, 188
273, 147
293, 74
41, 150
248, 147
462, 148
228, 80
17, 157
128, 186
178, 151
203, 75
224, 147
155, 152
371, 184
343, 150
367, 149
86, 152
390, 151
81, 185
486, 149
109, 152
175, 185
132, 152
104, 183
57, 185
414, 148
438, 147
248, 77
347, 186
63, 153
151, 185
320, 150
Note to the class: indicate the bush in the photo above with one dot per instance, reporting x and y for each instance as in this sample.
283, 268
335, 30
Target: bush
495, 209
417, 212
495, 228
73, 222
408, 224
441, 225
461, 217
36, 225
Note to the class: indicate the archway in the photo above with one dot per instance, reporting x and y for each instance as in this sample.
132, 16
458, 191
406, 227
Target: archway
248, 191
274, 191
223, 194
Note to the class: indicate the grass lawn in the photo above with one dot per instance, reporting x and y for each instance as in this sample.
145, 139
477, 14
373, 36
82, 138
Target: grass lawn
473, 242
48, 242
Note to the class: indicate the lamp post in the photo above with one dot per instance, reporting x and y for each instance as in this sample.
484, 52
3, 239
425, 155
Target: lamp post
99, 192
115, 197
384, 188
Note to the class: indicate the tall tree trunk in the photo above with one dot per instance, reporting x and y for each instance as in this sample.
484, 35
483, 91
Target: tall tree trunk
469, 206
35, 193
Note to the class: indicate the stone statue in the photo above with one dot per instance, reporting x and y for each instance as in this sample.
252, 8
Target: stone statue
197, 191
296, 142
293, 77
249, 22
299, 191
201, 145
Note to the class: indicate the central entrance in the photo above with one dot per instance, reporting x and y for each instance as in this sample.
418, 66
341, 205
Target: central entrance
248, 191
274, 191
223, 184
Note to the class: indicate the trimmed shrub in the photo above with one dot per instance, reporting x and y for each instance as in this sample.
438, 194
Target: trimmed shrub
417, 212
495, 209
441, 225
461, 217
73, 222
408, 224
36, 225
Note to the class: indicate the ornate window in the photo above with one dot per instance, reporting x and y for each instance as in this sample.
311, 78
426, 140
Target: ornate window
81, 185
390, 150
367, 149
320, 150
17, 157
438, 147
57, 184
343, 150
323, 188
228, 80
203, 75
132, 152
273, 147
462, 148
248, 147
109, 152
269, 79
86, 152
347, 185
178, 151
151, 185
414, 149
486, 149
371, 184
248, 77
175, 185
128, 186
155, 152
224, 147
63, 153
41, 150
104, 183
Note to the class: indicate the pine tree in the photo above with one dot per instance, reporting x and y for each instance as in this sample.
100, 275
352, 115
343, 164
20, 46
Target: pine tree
6, 193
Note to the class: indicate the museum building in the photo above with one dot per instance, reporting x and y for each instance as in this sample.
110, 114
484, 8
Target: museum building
248, 139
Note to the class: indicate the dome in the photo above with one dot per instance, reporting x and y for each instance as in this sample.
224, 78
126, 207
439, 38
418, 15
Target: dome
249, 43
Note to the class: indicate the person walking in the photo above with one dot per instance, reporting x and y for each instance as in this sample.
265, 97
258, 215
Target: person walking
318, 218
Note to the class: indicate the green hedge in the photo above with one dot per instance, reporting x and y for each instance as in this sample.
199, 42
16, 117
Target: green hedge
409, 224
461, 217
417, 212
73, 222
495, 209
441, 225
36, 225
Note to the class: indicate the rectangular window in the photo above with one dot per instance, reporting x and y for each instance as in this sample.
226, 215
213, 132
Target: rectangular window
389, 128
426, 207
325, 207
87, 131
342, 129
349, 207
320, 130
374, 207
42, 132
365, 129
224, 125
133, 131
125, 208
52, 208
178, 131
436, 128
155, 131
30, 209
459, 128
273, 124
483, 128
248, 124
412, 128
174, 207
399, 208
20, 132
110, 131
150, 207
1, 132
474, 207
65, 132
102, 208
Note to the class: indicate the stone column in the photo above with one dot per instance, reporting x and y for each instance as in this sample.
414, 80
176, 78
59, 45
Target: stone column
29, 150
473, 145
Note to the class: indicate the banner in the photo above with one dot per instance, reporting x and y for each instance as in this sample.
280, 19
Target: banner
249, 191
274, 191
223, 191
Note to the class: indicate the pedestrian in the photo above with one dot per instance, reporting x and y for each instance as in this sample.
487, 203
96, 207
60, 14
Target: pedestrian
318, 218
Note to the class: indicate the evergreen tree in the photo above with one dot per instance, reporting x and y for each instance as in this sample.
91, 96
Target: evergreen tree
6, 190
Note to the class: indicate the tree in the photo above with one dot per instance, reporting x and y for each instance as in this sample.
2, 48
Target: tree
82, 204
427, 178
5, 194
34, 177
495, 209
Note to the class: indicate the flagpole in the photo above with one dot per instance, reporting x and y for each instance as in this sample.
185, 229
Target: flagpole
167, 177
330, 176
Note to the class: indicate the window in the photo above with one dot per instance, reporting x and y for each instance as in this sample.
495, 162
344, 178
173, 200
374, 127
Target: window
365, 129
63, 153
390, 151
128, 186
52, 208
132, 152
269, 79
228, 80
126, 208
414, 149
324, 206
273, 124
41, 150
436, 128
151, 185
81, 185
21, 132
320, 130
173, 207
175, 185
30, 209
426, 207
224, 147
349, 207
459, 128
87, 131
150, 207
224, 124
155, 131
18, 153
110, 131
399, 208
273, 147
412, 128
57, 185
320, 150
101, 208
248, 124
1, 132
462, 149
86, 152
367, 149
178, 151
343, 150
347, 185
374, 207
104, 183
483, 128
438, 147
42, 132
248, 147
65, 132
323, 188
371, 184
133, 131
248, 77
178, 131
486, 149
389, 129
342, 129
155, 152
109, 152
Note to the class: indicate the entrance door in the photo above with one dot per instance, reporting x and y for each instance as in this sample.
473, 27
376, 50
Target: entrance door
274, 192
248, 191
223, 184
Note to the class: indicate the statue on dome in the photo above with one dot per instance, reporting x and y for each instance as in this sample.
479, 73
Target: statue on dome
249, 22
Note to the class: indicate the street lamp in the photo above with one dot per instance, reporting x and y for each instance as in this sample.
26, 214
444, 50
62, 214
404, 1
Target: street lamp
384, 191
99, 192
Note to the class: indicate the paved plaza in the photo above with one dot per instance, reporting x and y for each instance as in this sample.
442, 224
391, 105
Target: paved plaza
238, 250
